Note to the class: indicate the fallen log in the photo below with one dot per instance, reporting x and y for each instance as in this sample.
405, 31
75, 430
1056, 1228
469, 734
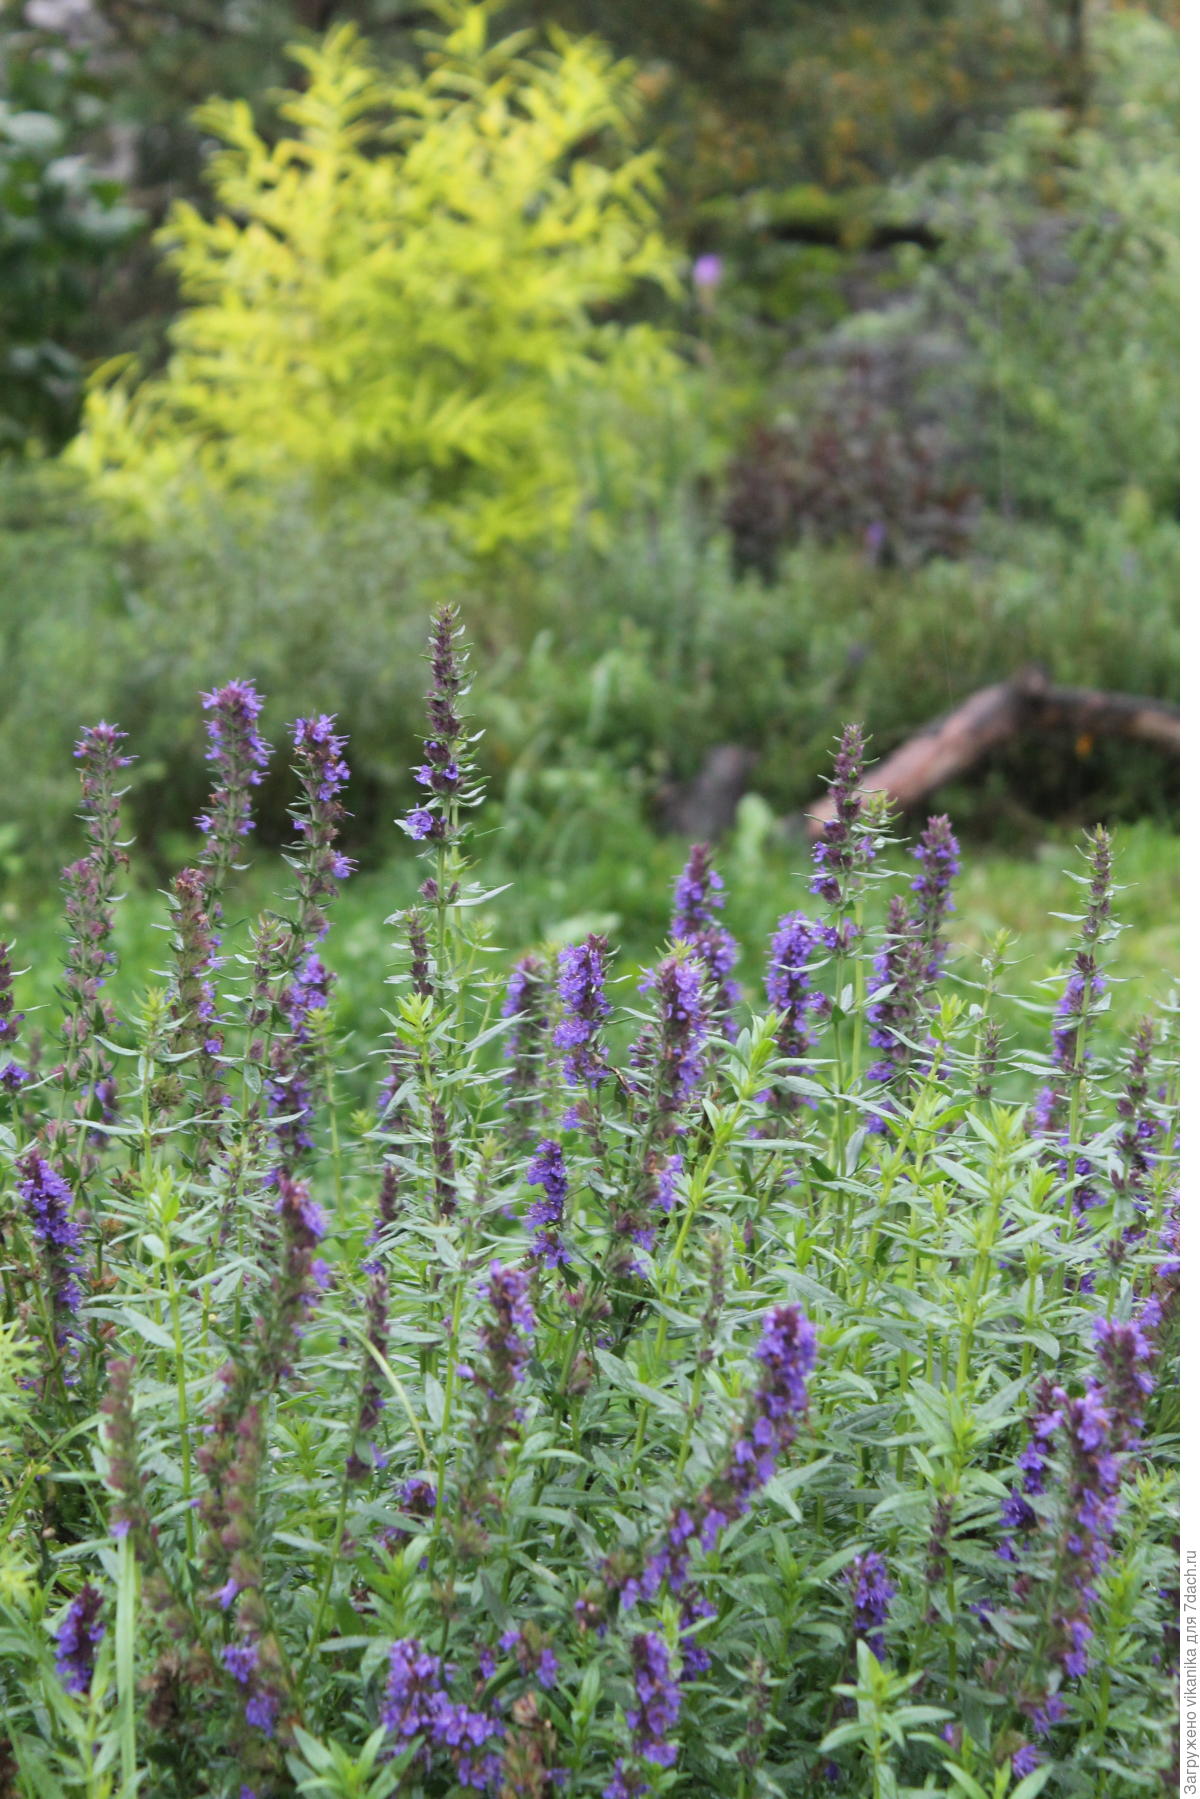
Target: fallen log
994, 715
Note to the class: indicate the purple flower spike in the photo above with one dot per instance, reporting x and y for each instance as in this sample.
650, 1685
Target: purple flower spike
938, 854
49, 1202
789, 990
699, 896
12, 1076
1085, 987
240, 756
417, 1708
787, 1354
585, 1007
867, 1579
323, 774
89, 886
895, 989
845, 850
658, 1700
506, 1339
241, 1659
76, 1640
670, 1058
446, 774
262, 1709
548, 1170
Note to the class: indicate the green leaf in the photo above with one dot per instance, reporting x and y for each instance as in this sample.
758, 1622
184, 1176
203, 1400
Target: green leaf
1033, 1783
126, 1664
965, 1781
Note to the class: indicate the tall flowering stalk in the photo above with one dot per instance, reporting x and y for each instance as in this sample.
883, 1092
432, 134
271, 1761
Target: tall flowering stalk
302, 982
89, 886
894, 994
1058, 1110
527, 1004
653, 1716
910, 961
1073, 1464
13, 1075
786, 1353
790, 991
446, 775
844, 856
130, 1517
230, 1455
320, 866
403, 1063
585, 1006
1141, 1130
699, 896
76, 1640
49, 1206
938, 854
668, 1056
239, 756
505, 1344
196, 1025
846, 848
866, 1579
364, 1452
668, 1064
548, 1170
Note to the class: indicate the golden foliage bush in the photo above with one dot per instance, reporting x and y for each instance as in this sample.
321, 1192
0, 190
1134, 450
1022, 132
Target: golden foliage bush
417, 279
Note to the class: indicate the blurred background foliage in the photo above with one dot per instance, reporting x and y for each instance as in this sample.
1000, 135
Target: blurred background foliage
746, 368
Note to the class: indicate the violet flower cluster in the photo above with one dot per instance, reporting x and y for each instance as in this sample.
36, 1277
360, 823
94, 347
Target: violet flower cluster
1137, 1142
12, 1075
548, 1170
911, 959
669, 1056
446, 774
417, 1708
239, 756
938, 853
653, 1717
76, 1640
867, 1581
506, 1333
787, 1353
323, 773
845, 849
894, 993
789, 989
699, 896
585, 1007
1091, 1433
49, 1206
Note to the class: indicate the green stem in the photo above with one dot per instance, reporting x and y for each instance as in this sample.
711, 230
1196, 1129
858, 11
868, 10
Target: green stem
335, 1550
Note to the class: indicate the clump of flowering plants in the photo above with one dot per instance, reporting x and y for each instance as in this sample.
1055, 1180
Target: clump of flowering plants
645, 1388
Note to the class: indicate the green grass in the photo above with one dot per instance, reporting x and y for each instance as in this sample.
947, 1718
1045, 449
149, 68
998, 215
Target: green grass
625, 891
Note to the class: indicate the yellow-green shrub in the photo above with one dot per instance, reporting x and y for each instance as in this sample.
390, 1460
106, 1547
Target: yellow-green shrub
412, 282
